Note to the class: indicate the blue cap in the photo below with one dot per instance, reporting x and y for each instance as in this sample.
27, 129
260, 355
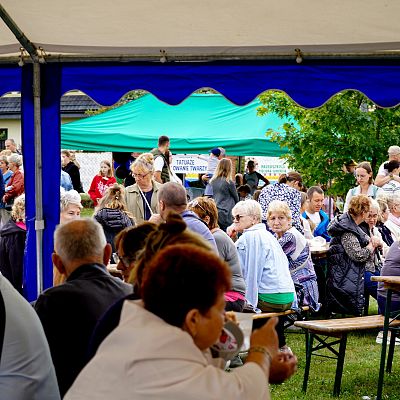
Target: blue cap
216, 151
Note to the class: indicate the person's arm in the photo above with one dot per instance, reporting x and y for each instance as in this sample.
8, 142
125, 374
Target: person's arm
157, 177
17, 187
381, 180
347, 202
264, 179
158, 166
92, 192
233, 191
353, 248
2, 191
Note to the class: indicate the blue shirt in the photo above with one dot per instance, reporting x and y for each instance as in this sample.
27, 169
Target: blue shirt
265, 266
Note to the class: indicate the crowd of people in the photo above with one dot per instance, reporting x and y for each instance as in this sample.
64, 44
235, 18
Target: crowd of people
185, 264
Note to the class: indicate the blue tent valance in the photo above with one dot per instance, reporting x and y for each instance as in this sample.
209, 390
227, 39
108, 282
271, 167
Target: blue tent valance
309, 84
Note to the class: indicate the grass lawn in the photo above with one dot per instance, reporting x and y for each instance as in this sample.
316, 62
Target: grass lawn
87, 212
360, 372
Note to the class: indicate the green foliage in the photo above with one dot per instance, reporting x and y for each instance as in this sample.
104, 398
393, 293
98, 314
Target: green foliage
320, 141
86, 201
132, 95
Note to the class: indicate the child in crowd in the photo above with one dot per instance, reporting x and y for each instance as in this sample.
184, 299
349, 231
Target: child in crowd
103, 180
212, 162
244, 192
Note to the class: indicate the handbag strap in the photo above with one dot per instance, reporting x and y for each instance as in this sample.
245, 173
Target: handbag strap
147, 203
2, 323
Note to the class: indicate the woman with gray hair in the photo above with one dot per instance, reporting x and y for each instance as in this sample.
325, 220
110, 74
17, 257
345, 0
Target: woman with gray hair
12, 244
15, 186
70, 206
264, 265
297, 251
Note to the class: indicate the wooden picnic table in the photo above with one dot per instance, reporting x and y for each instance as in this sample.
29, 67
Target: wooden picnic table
391, 283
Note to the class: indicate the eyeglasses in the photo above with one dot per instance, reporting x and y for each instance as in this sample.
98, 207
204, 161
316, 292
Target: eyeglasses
195, 203
141, 176
124, 260
237, 217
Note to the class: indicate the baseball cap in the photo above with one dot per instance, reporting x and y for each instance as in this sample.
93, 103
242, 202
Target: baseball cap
394, 150
216, 151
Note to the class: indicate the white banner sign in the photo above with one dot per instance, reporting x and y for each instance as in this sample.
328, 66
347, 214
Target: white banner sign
189, 163
270, 167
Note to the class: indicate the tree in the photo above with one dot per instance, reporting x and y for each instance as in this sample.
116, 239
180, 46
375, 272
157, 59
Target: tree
320, 141
126, 98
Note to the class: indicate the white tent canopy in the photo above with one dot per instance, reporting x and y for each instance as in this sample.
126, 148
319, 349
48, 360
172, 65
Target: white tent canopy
218, 28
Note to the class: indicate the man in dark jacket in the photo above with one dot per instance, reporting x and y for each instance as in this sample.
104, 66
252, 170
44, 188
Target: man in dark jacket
70, 311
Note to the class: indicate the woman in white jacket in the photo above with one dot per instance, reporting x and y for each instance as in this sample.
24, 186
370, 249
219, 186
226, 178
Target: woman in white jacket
160, 350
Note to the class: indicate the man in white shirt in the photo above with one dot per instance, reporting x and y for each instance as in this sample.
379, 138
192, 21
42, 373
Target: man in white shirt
383, 175
314, 212
161, 163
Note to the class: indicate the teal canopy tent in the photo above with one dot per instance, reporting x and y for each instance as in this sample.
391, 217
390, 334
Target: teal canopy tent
198, 124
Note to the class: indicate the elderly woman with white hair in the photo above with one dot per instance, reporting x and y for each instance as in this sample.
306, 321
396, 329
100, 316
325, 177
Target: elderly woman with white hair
393, 221
70, 209
12, 244
264, 265
297, 251
70, 206
15, 186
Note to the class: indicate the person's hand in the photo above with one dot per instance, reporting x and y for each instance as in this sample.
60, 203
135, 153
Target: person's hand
266, 337
205, 178
156, 219
231, 231
264, 346
231, 316
376, 242
282, 367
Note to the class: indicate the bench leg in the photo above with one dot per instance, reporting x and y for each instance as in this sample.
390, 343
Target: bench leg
309, 343
391, 350
384, 345
339, 366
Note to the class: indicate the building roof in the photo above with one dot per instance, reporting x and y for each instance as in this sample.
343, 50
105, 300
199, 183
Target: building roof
71, 106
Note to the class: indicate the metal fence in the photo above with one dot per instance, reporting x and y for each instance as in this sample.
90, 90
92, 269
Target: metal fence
90, 166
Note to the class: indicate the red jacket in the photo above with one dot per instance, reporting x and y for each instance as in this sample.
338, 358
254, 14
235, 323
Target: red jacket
17, 183
99, 186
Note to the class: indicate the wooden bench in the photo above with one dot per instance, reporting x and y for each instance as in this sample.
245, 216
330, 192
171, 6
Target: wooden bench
338, 330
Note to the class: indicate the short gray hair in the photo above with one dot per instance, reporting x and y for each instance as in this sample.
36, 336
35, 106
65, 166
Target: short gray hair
374, 204
173, 195
393, 150
248, 207
69, 197
16, 159
393, 201
79, 239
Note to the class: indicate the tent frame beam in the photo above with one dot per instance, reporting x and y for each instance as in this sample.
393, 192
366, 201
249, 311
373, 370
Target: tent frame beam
308, 58
36, 59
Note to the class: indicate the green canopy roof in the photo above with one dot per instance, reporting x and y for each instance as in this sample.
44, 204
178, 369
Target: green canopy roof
198, 124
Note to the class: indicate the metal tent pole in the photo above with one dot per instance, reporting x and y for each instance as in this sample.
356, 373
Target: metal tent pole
37, 59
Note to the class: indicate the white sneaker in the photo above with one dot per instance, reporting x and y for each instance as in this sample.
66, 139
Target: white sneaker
379, 339
286, 349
